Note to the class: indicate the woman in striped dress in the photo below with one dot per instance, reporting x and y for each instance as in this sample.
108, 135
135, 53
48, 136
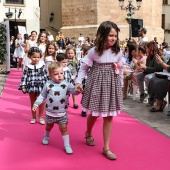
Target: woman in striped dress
102, 96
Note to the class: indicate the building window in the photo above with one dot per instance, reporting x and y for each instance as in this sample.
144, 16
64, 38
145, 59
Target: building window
165, 2
163, 21
14, 1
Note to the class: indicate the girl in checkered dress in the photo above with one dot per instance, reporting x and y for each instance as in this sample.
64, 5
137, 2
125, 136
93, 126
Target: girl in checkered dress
102, 96
33, 80
84, 53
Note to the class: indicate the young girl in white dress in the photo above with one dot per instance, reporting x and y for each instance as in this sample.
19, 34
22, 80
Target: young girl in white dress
19, 50
102, 96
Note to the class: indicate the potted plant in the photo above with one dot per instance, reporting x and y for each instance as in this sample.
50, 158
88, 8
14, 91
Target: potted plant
3, 49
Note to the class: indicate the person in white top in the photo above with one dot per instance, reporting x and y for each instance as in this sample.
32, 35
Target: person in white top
19, 50
102, 96
81, 38
143, 38
30, 43
41, 43
50, 54
50, 36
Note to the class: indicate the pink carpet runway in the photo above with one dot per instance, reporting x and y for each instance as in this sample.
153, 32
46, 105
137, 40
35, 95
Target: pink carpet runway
137, 146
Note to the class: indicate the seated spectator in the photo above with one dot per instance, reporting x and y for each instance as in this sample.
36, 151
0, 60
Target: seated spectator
161, 54
167, 52
158, 87
128, 65
147, 70
139, 59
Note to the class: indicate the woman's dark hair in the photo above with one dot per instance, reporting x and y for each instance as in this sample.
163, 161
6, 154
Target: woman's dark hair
102, 35
132, 47
153, 49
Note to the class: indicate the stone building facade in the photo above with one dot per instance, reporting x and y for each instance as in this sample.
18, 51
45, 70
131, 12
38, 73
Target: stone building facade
29, 18
84, 16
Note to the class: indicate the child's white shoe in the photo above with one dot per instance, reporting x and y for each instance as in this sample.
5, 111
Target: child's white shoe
45, 140
33, 121
41, 120
68, 149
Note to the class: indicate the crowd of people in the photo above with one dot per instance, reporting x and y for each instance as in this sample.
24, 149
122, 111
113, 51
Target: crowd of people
146, 67
101, 68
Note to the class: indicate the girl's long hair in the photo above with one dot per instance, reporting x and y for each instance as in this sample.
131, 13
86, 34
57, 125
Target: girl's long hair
72, 48
102, 35
153, 49
46, 51
38, 40
132, 47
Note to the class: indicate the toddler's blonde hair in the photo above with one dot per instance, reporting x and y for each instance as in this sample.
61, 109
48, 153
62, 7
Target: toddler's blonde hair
54, 65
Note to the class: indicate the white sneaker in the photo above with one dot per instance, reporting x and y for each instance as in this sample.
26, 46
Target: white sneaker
45, 140
42, 122
33, 121
68, 149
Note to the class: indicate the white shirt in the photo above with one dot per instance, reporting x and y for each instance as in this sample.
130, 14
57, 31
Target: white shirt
50, 38
144, 39
81, 38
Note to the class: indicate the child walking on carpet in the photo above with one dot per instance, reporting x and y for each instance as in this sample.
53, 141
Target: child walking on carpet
85, 52
72, 65
56, 92
50, 54
33, 80
102, 96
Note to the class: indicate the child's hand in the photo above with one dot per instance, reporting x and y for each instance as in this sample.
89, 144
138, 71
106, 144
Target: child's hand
34, 108
24, 90
78, 88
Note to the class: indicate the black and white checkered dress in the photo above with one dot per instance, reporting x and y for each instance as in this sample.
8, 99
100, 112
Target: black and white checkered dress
102, 95
34, 78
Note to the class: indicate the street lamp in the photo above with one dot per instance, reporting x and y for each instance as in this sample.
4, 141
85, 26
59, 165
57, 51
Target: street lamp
130, 8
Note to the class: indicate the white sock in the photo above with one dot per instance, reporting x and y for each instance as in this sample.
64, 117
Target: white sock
47, 133
66, 140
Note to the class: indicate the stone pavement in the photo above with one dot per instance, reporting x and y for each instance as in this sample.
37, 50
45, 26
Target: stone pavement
158, 121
